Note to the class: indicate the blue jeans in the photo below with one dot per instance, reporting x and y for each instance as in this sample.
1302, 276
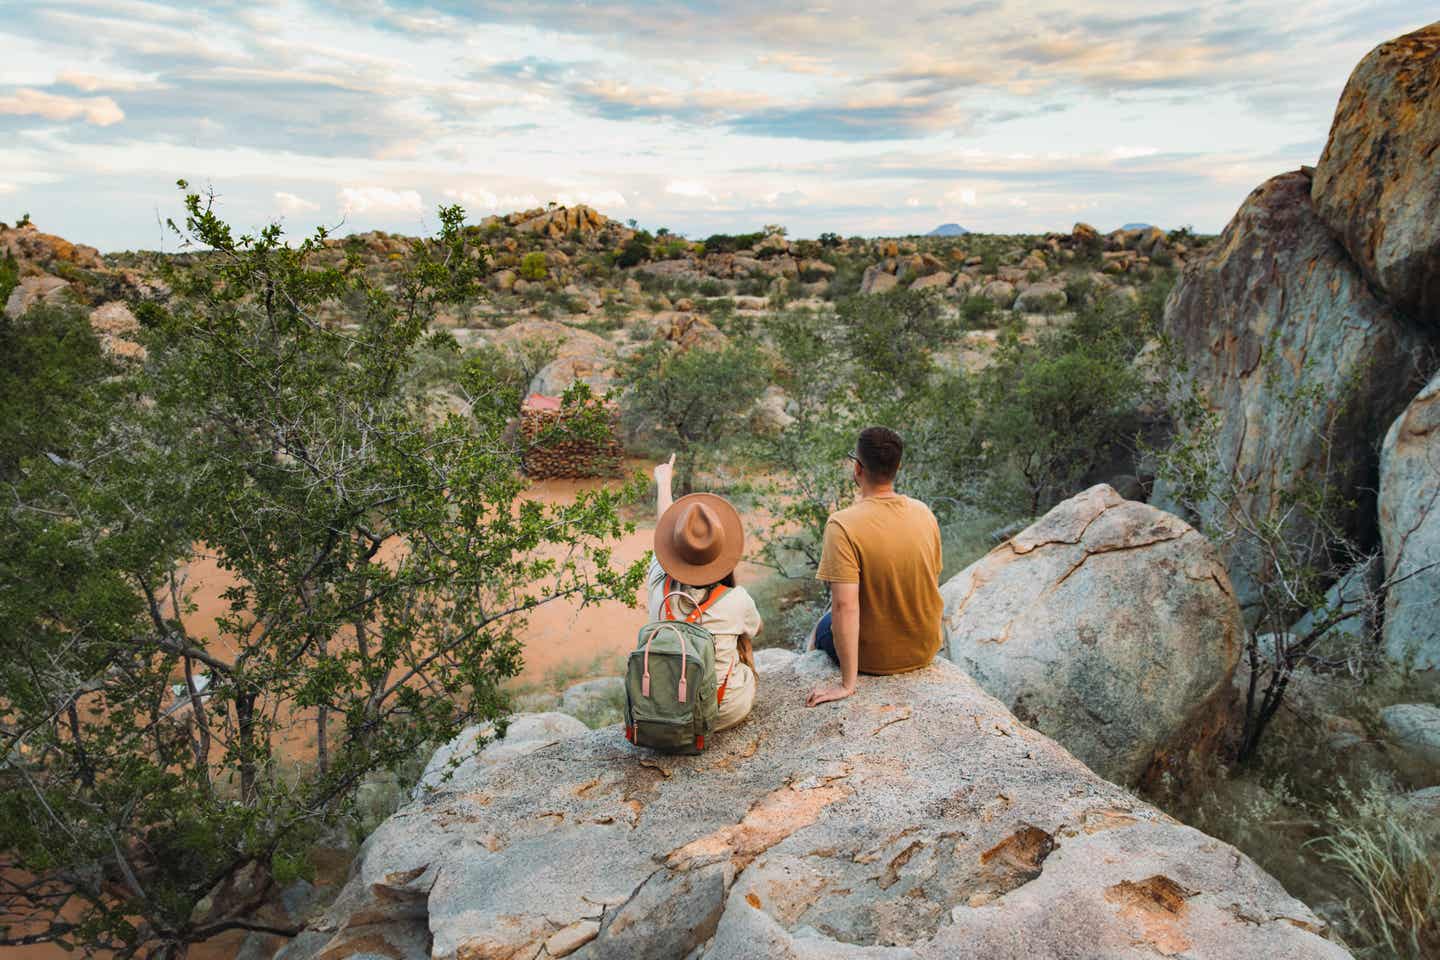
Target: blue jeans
825, 637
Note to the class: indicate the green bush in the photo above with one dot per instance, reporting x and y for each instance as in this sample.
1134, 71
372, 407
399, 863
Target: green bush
635, 251
9, 277
730, 243
978, 312
533, 266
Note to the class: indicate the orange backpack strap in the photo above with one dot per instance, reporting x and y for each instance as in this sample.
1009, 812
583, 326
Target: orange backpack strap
720, 695
693, 616
707, 603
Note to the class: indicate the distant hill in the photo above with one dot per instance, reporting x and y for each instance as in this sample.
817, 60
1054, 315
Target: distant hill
948, 230
1137, 226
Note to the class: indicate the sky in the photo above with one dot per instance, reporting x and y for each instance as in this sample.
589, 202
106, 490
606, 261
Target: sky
848, 116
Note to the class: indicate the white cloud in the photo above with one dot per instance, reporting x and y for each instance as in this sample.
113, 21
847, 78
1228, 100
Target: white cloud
25, 102
474, 199
1018, 202
1122, 152
291, 204
600, 199
964, 195
379, 200
912, 201
692, 189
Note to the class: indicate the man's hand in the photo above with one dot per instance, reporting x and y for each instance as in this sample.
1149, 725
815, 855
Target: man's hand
827, 694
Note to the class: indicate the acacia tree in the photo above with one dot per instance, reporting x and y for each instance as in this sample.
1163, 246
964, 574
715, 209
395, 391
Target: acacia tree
697, 400
380, 562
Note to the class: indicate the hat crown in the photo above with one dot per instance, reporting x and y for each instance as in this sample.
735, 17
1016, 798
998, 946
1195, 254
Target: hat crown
698, 536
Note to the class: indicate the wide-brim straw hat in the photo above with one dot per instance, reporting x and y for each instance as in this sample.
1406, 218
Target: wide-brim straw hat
699, 539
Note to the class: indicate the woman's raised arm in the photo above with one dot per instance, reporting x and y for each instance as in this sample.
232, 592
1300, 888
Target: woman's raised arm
664, 473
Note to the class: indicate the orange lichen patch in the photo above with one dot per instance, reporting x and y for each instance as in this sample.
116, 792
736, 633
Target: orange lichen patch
1014, 861
769, 821
1025, 849
753, 900
367, 943
729, 761
508, 938
1158, 905
892, 870
1098, 821
787, 900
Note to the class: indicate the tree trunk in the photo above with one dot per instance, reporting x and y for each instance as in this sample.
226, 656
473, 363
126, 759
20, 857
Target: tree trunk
245, 725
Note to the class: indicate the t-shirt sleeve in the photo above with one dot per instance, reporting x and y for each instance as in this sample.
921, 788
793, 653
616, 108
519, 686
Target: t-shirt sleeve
839, 563
654, 588
752, 622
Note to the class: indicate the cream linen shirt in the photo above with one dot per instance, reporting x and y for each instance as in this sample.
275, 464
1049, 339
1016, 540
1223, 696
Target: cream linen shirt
730, 617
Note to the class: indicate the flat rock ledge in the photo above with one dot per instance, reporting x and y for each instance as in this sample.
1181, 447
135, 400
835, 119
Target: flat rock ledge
916, 819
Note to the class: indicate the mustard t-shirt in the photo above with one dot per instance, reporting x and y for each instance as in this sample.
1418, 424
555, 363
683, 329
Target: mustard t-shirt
890, 545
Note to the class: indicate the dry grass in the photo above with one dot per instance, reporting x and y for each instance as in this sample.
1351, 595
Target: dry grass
1388, 852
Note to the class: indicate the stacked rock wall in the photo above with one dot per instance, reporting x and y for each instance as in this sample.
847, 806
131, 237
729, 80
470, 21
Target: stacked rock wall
549, 453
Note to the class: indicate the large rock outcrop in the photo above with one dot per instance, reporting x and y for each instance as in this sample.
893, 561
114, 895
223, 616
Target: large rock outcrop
1286, 341
916, 819
1375, 185
1410, 531
1108, 625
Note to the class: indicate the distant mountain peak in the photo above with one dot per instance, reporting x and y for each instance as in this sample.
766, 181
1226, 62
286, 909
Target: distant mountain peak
948, 230
1137, 226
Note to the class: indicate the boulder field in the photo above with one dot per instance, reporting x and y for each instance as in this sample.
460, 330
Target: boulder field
1109, 625
916, 819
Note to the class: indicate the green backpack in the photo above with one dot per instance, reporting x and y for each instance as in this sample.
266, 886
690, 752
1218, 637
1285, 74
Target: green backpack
672, 696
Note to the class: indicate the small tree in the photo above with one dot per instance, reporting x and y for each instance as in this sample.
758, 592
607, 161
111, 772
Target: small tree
697, 400
1287, 526
533, 266
382, 565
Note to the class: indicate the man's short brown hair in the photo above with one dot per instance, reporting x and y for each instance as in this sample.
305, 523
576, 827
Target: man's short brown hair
879, 450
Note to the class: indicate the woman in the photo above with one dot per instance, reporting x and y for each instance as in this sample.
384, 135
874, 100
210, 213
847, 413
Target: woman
698, 542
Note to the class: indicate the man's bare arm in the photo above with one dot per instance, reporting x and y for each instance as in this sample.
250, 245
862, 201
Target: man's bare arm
845, 624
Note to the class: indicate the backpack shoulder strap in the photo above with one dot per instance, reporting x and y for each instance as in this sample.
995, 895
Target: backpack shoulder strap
715, 594
672, 589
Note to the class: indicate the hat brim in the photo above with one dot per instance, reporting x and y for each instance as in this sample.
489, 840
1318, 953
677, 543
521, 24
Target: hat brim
730, 552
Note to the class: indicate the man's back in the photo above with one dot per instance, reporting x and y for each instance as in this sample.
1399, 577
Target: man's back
890, 545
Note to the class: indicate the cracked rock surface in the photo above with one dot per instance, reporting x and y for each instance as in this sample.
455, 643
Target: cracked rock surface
916, 819
1288, 343
1108, 625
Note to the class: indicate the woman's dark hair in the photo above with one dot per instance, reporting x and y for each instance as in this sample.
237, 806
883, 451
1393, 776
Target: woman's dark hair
879, 450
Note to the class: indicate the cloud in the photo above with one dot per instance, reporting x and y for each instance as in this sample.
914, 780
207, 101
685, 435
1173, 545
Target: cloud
290, 204
100, 111
690, 189
381, 200
600, 199
852, 122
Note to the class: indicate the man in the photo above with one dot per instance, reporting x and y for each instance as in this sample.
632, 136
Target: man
881, 557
